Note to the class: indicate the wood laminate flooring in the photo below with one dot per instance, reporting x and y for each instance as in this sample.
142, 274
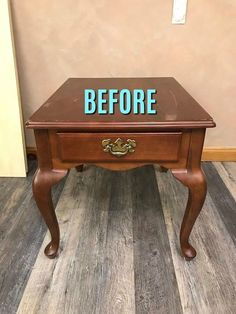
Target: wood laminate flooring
119, 245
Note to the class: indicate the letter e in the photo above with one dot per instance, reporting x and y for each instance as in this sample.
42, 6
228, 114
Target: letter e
151, 101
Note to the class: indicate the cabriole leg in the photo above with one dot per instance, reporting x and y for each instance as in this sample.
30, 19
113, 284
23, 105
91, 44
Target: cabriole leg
42, 184
196, 183
194, 179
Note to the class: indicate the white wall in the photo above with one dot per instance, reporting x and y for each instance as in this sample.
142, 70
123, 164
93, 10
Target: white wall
12, 147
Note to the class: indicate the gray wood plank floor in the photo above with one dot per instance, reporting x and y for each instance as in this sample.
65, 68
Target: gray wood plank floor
119, 245
22, 231
207, 284
155, 282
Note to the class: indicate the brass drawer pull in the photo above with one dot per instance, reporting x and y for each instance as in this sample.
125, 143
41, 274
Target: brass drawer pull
119, 147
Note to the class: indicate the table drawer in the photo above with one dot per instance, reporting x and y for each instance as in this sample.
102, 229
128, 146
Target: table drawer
118, 147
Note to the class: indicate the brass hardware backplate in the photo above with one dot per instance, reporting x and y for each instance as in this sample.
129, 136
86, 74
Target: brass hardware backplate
119, 148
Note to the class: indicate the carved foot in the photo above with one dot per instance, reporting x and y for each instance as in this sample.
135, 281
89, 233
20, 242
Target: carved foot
163, 169
52, 248
42, 184
196, 183
79, 168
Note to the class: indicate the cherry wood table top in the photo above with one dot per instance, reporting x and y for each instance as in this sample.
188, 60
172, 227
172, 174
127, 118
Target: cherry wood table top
176, 107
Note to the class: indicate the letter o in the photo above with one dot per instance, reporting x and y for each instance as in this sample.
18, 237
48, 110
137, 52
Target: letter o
125, 106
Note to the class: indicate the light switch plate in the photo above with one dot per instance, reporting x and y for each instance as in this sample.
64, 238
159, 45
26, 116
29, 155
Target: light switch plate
179, 11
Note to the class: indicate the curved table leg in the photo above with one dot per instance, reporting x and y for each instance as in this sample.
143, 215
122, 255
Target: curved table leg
42, 184
196, 183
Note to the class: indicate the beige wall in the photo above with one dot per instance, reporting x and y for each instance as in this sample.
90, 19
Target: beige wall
68, 38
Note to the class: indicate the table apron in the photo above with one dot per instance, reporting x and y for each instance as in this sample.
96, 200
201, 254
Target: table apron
166, 148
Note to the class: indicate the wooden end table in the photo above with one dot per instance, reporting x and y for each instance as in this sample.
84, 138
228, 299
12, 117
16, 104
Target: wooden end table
66, 138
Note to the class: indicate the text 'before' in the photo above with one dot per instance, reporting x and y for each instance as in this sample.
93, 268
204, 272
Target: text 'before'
109, 101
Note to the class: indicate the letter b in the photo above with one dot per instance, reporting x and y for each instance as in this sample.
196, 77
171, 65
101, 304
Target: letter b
89, 101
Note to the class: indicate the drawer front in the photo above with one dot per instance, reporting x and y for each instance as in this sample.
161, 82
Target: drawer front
118, 147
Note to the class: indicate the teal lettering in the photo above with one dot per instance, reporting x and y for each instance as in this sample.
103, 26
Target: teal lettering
151, 101
112, 100
138, 101
125, 98
89, 101
101, 101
